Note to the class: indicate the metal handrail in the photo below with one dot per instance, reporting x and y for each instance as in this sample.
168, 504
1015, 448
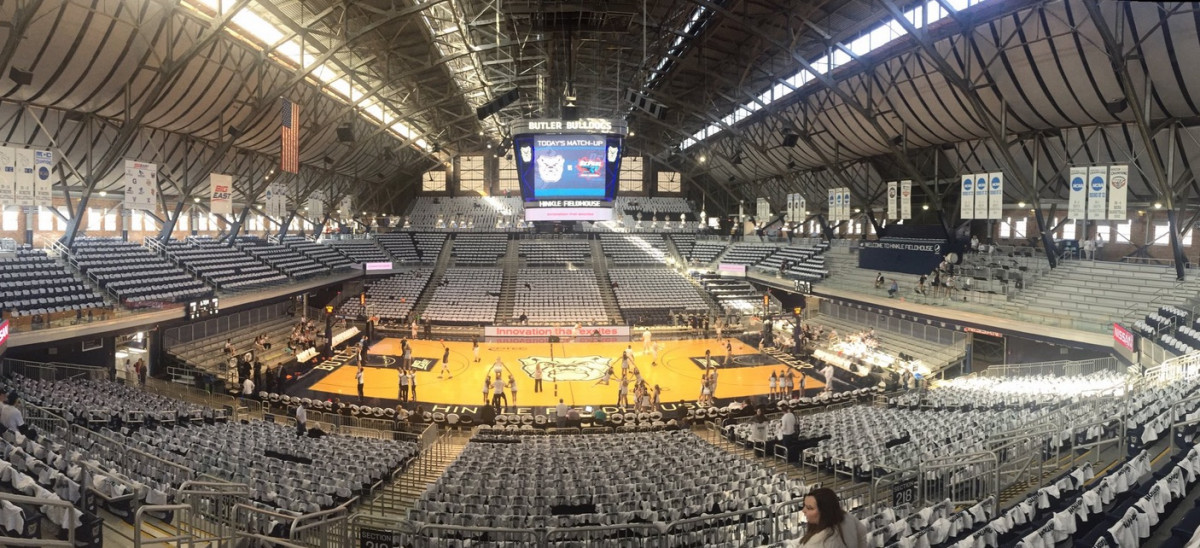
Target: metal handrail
139, 518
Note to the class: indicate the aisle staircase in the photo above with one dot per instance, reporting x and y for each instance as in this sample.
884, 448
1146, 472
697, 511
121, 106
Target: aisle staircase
511, 263
439, 269
401, 495
600, 266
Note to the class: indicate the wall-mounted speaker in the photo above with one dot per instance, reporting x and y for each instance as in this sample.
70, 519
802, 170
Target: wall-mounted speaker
496, 105
21, 77
345, 133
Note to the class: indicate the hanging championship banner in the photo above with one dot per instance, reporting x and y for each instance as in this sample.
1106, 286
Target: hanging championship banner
792, 207
24, 176
1118, 189
893, 212
8, 177
1077, 204
763, 210
141, 185
981, 196
1097, 190
846, 203
995, 192
220, 196
347, 207
833, 209
275, 201
967, 207
801, 209
905, 199
316, 207
43, 187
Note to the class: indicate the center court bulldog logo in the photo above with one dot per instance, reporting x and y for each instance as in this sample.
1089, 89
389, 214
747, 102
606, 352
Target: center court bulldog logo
550, 166
578, 368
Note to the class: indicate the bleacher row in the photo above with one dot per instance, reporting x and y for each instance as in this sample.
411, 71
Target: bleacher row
33, 283
129, 448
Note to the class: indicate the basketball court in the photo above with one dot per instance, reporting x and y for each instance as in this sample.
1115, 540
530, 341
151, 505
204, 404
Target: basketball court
571, 371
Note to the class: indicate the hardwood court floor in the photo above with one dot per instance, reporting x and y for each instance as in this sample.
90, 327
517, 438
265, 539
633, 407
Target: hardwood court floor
577, 366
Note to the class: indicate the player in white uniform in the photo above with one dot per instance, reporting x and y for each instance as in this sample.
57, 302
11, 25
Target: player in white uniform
646, 340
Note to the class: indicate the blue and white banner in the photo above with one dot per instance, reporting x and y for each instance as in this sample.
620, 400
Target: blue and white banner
995, 192
1118, 190
981, 196
834, 194
966, 209
1077, 204
275, 199
1097, 190
846, 204
141, 185
8, 177
43, 186
893, 190
316, 207
906, 199
24, 175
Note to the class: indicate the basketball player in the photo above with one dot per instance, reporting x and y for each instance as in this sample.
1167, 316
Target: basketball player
728, 354
445, 361
403, 385
537, 377
475, 348
623, 392
412, 384
498, 394
406, 354
512, 387
772, 383
359, 378
654, 350
646, 340
487, 385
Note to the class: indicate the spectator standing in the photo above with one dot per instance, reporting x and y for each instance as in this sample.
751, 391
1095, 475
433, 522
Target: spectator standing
358, 377
301, 420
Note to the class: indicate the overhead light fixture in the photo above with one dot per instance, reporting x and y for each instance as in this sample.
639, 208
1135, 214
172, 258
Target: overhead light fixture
1157, 205
103, 194
1020, 204
702, 158
925, 207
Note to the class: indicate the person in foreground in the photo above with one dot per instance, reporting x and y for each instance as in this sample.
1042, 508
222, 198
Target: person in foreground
829, 526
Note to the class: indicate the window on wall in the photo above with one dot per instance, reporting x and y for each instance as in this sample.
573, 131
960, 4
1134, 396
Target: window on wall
631, 174
1068, 230
45, 219
1104, 232
1125, 232
669, 181
110, 220
1162, 235
470, 174
433, 181
135, 220
182, 222
1018, 228
508, 181
95, 219
8, 221
1006, 228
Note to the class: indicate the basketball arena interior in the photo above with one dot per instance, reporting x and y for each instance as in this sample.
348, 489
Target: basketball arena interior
656, 273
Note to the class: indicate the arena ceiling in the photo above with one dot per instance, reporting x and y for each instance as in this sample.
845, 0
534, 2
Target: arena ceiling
1027, 87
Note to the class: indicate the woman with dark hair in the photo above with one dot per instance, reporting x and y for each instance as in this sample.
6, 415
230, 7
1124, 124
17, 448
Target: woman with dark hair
829, 526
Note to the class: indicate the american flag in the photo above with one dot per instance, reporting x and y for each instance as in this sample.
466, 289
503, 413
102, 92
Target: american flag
289, 136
